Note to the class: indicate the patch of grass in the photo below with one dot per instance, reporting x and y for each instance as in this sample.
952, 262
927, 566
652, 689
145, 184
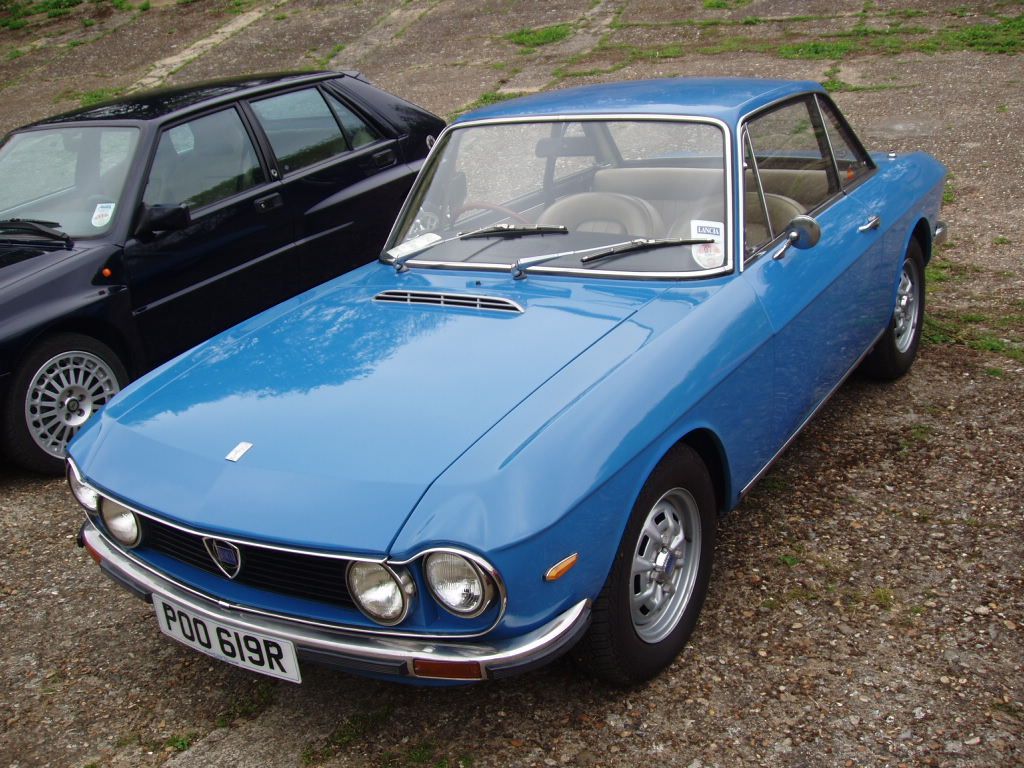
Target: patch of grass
15, 53
183, 742
144, 5
1005, 36
948, 192
492, 97
1002, 108
816, 49
92, 98
789, 560
355, 728
995, 373
248, 705
883, 598
88, 23
121, 5
1000, 240
534, 38
833, 84
716, 5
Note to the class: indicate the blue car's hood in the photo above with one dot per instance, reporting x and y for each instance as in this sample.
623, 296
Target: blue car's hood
353, 406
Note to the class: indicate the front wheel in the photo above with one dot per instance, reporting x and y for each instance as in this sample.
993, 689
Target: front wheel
896, 349
650, 602
57, 388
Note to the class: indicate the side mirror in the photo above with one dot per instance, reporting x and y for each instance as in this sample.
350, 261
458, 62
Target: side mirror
803, 232
159, 218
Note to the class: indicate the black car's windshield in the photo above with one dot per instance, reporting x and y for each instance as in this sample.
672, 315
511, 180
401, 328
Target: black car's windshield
593, 183
72, 176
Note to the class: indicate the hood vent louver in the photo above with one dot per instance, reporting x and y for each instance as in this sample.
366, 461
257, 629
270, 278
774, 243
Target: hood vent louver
438, 299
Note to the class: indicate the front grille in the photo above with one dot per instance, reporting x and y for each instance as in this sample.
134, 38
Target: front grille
464, 300
290, 573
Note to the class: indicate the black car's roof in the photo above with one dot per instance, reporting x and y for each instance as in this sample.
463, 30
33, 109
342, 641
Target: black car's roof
157, 104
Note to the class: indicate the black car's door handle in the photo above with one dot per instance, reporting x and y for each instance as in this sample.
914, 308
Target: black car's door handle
384, 158
269, 202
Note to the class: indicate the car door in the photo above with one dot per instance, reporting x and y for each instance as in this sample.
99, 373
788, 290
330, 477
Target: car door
230, 261
818, 299
342, 179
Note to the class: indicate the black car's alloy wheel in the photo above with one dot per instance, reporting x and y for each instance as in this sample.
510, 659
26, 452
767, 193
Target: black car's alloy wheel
57, 388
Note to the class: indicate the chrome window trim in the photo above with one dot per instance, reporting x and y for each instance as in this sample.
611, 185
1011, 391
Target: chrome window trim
828, 141
727, 159
479, 562
385, 562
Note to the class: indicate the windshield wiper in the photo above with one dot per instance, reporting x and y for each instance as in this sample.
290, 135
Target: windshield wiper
640, 244
511, 230
410, 249
37, 227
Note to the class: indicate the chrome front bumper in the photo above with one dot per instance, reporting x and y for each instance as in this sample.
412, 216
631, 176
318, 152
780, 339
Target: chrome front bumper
361, 654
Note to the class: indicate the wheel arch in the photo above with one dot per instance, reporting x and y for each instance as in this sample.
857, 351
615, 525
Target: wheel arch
922, 232
706, 444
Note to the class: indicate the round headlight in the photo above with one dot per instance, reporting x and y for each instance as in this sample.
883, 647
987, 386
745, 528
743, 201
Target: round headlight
121, 522
86, 495
458, 584
381, 593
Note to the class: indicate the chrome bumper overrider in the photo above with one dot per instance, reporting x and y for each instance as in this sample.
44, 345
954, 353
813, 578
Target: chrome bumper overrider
400, 657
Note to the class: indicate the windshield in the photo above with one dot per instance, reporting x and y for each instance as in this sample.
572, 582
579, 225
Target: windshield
69, 176
494, 195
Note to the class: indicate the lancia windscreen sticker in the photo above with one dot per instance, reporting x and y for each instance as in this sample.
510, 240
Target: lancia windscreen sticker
708, 255
103, 214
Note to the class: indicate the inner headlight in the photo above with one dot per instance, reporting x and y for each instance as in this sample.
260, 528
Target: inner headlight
381, 593
121, 522
458, 584
86, 495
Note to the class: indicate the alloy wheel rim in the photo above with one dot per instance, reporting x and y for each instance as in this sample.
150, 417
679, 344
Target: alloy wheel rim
666, 558
65, 391
905, 316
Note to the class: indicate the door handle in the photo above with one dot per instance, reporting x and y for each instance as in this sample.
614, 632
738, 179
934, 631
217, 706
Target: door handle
873, 223
269, 203
384, 158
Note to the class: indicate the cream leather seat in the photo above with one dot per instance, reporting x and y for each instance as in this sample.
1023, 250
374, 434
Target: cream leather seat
606, 212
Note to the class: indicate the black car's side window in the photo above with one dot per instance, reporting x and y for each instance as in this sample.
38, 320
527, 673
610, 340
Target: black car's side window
203, 161
301, 128
358, 132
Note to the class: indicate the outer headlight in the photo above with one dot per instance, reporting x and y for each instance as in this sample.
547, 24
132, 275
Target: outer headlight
458, 584
379, 592
86, 495
121, 522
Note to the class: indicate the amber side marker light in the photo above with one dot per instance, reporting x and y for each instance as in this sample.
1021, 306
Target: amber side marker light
106, 272
448, 670
562, 567
93, 553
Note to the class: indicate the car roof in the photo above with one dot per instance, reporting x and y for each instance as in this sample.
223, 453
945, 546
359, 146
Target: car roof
157, 104
724, 98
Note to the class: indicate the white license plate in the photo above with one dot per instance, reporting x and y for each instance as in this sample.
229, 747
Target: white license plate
267, 655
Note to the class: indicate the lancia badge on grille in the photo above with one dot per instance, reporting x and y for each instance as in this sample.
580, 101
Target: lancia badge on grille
225, 556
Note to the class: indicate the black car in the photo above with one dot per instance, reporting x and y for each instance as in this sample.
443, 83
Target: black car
132, 230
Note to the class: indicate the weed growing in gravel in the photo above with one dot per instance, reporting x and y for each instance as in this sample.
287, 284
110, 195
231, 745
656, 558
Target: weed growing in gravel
355, 728
883, 598
530, 39
181, 743
1000, 240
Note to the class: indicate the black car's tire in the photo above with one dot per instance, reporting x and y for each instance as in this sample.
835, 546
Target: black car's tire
58, 386
632, 638
896, 349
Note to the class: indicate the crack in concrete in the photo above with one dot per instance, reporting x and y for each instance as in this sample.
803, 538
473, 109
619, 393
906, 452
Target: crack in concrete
166, 67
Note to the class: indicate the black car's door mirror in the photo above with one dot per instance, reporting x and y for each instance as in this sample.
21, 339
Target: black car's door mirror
159, 218
802, 232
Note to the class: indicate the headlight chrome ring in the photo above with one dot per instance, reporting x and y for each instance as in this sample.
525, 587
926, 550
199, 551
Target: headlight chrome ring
458, 583
84, 494
383, 594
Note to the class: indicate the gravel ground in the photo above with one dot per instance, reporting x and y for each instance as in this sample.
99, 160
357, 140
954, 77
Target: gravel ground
866, 606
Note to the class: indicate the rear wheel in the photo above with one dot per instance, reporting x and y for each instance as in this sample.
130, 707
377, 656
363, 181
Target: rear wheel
896, 349
59, 386
650, 603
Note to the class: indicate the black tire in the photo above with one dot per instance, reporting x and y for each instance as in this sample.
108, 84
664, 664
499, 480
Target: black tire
896, 349
615, 648
25, 426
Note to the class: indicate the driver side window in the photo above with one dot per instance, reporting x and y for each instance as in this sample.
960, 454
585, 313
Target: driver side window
202, 162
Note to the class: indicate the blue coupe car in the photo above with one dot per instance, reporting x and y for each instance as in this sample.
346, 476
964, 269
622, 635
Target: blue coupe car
602, 314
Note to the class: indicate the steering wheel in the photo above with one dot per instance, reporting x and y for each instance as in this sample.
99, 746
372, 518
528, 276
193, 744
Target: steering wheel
483, 205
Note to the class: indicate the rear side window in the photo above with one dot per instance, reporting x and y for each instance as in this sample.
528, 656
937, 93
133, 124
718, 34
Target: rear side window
358, 132
851, 161
203, 161
301, 128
